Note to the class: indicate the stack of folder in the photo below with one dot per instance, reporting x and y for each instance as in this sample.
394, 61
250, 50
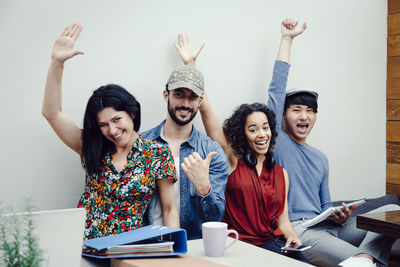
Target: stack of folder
148, 241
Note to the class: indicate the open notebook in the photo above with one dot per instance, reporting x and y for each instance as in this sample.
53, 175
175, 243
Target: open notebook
324, 215
60, 234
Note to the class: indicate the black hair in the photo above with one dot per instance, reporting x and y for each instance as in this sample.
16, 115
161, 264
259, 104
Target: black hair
234, 129
304, 98
94, 144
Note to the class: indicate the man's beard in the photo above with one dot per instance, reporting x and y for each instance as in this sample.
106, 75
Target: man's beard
172, 113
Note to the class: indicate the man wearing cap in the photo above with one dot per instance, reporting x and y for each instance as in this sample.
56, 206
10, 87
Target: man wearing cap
200, 163
334, 241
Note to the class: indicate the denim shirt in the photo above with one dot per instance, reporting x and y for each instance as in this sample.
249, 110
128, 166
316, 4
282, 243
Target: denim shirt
194, 208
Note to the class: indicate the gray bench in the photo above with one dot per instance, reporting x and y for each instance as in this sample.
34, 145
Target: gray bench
372, 204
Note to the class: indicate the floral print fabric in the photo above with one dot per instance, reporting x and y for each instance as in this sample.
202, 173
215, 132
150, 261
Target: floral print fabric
115, 202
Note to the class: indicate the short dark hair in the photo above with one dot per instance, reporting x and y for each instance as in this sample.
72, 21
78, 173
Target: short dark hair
234, 128
303, 98
94, 144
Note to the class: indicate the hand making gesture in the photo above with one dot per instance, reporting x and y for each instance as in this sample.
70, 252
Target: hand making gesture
197, 171
290, 28
186, 51
62, 124
64, 44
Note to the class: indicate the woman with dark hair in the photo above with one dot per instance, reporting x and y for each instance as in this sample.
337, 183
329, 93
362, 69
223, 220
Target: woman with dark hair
256, 191
236, 136
122, 168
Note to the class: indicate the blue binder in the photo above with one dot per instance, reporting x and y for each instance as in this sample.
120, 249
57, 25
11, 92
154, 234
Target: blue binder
149, 232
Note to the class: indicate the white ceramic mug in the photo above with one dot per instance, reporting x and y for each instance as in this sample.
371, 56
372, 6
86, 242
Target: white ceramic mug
214, 238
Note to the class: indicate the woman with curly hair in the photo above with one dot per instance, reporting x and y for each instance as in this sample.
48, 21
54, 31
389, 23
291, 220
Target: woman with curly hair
256, 191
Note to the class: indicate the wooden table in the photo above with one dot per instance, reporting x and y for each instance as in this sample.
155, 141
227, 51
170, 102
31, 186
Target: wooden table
387, 223
240, 254
244, 254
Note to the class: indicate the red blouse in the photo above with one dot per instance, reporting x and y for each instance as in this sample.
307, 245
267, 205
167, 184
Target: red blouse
254, 202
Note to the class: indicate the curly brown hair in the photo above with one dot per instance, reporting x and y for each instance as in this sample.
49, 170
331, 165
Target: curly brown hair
235, 133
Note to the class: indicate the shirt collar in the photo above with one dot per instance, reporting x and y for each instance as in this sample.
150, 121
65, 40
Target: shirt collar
158, 135
194, 136
138, 145
156, 132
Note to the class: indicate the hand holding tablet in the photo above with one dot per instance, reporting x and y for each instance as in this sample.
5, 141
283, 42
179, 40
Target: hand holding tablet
295, 248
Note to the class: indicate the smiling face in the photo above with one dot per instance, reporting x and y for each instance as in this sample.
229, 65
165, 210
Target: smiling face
183, 105
117, 126
300, 120
258, 132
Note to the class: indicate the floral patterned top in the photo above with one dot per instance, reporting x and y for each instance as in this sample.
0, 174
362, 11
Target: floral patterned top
115, 202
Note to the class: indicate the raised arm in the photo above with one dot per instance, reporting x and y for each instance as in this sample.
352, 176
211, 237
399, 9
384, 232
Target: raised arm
64, 127
214, 130
290, 28
277, 88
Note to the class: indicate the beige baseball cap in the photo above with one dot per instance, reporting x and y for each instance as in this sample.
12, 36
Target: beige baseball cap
187, 77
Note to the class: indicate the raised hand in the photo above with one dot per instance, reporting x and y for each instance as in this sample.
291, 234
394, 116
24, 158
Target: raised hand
63, 125
186, 51
197, 171
64, 44
290, 28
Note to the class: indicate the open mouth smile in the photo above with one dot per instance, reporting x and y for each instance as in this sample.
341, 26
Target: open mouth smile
263, 144
184, 109
302, 127
117, 136
184, 112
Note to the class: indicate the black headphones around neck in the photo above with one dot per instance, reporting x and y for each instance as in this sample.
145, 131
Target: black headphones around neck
251, 160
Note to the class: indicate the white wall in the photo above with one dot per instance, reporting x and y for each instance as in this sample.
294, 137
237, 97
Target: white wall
129, 42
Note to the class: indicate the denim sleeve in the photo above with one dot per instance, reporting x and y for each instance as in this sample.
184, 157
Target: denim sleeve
211, 207
277, 90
